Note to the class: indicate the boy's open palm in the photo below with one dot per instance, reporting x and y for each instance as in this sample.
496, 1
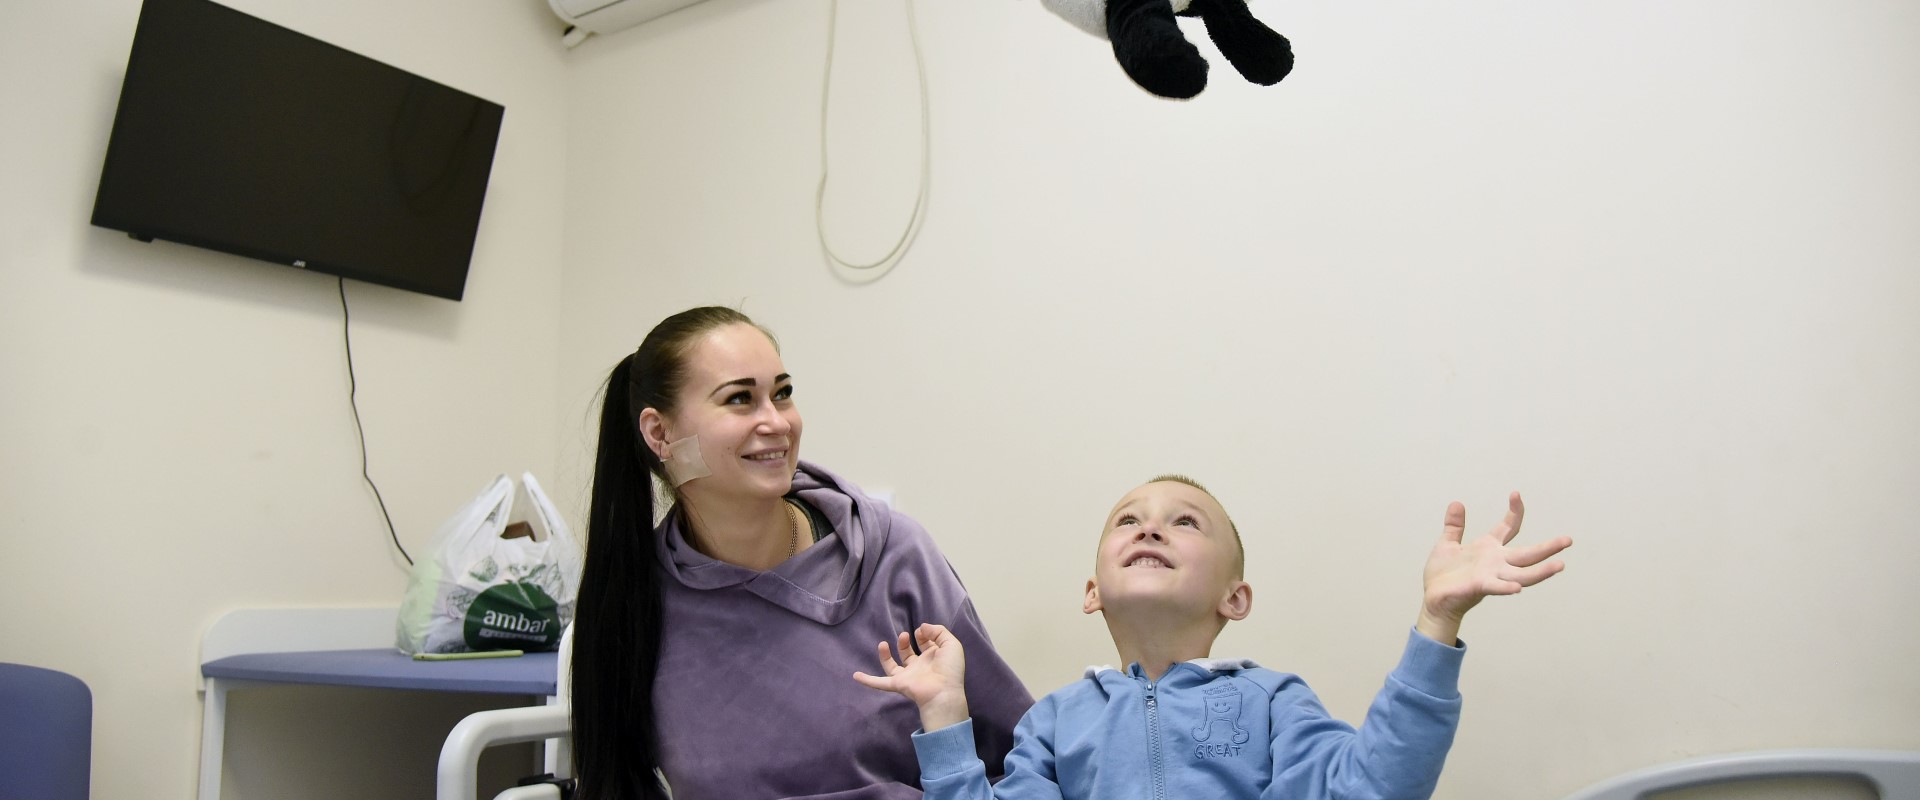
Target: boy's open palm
1462, 572
934, 679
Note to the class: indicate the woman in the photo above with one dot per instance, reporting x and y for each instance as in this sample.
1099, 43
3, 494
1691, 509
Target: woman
719, 646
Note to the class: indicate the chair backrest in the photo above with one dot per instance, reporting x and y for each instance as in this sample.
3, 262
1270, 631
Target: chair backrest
1895, 775
560, 754
563, 688
46, 734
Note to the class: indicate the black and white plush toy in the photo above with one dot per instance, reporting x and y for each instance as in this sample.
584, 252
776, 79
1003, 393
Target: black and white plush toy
1149, 46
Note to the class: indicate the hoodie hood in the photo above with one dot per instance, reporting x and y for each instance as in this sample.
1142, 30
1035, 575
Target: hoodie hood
821, 583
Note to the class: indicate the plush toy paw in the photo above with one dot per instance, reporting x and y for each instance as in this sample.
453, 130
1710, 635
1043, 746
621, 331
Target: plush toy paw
1147, 41
1261, 55
1151, 49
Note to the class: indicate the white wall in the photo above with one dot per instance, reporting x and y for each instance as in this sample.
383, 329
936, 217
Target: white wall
175, 439
1650, 263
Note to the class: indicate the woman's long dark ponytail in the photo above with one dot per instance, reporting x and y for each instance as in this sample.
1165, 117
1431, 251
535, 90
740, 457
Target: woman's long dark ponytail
616, 636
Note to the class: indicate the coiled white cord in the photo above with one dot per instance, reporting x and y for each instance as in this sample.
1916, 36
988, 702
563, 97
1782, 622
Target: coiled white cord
893, 257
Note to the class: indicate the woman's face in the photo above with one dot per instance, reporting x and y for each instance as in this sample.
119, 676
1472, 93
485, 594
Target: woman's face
738, 399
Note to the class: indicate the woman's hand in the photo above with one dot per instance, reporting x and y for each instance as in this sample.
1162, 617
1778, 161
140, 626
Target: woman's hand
935, 680
1460, 573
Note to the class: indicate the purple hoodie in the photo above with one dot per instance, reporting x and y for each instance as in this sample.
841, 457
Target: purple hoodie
755, 696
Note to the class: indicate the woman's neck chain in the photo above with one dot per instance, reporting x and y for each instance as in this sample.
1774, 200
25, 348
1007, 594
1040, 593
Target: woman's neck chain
793, 529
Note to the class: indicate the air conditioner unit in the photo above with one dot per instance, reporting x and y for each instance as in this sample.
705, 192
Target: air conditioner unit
606, 16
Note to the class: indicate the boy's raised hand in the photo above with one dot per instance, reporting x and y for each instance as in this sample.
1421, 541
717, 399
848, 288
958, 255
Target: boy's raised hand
1461, 572
935, 679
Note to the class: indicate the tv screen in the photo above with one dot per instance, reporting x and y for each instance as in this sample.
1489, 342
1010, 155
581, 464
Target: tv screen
238, 135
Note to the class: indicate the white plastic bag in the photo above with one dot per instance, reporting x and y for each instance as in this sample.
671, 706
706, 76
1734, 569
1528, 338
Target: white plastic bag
474, 590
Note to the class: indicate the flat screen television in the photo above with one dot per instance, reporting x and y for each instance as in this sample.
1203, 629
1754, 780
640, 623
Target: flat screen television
239, 135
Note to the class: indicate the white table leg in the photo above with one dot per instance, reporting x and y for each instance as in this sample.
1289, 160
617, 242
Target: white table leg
213, 738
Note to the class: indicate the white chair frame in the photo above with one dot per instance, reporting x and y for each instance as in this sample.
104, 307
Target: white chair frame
1895, 775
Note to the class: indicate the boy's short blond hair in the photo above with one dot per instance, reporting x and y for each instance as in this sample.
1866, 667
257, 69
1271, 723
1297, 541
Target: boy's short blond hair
1240, 549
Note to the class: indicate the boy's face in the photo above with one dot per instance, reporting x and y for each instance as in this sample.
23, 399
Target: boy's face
1168, 548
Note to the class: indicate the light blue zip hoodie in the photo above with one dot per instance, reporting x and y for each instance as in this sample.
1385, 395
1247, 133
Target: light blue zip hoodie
1214, 729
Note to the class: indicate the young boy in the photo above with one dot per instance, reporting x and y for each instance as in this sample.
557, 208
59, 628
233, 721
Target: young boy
1178, 724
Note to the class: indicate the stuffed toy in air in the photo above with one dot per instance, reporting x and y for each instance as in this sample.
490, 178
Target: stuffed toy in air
1149, 46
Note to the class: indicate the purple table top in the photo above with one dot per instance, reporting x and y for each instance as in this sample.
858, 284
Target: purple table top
387, 668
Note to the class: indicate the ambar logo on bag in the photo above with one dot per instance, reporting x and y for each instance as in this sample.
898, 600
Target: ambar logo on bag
513, 616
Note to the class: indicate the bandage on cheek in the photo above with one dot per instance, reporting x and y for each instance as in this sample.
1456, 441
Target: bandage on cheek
684, 462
